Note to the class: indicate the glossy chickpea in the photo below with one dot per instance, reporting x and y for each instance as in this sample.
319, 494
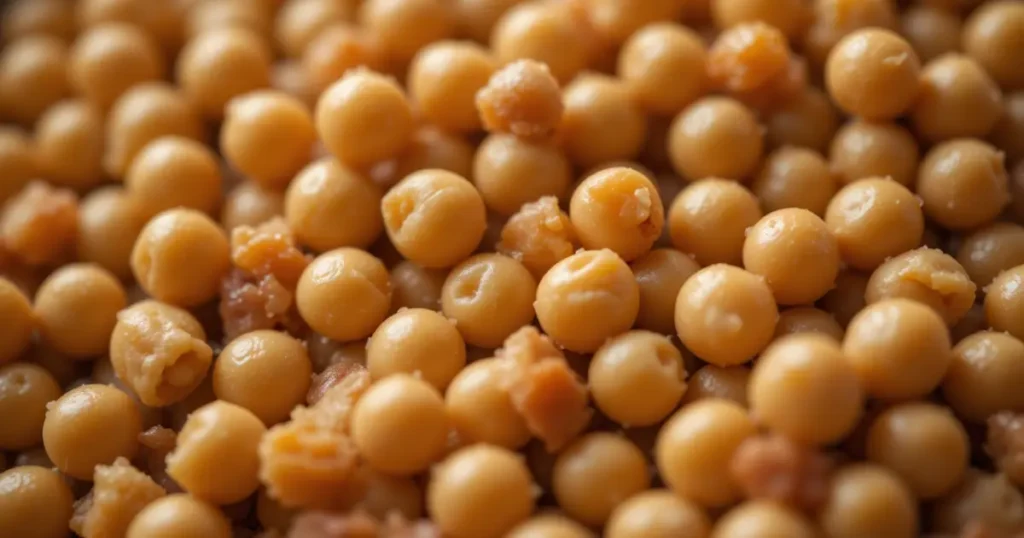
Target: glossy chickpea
659, 274
400, 425
476, 18
434, 218
488, 297
709, 219
763, 518
480, 491
863, 149
601, 123
36, 503
1004, 302
39, 225
874, 219
510, 172
109, 58
587, 488
1008, 134
725, 315
265, 372
544, 32
664, 65
658, 513
572, 313
444, 79
807, 119
268, 136
795, 177
710, 381
333, 52
522, 98
550, 526
249, 204
402, 27
637, 378
69, 144
104, 415
109, 222
417, 342
33, 76
804, 319
50, 17
963, 184
298, 23
25, 390
18, 161
350, 113
863, 63
982, 379
694, 449
221, 436
933, 31
178, 516
480, 408
221, 64
716, 137
796, 254
990, 33
19, 321
617, 208
174, 171
344, 276
77, 308
180, 257
329, 205
928, 276
957, 99
899, 348
869, 500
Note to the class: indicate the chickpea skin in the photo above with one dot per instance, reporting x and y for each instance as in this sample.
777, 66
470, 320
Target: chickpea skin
1004, 302
664, 66
329, 205
109, 58
987, 367
36, 503
510, 172
179, 516
69, 144
265, 372
863, 149
589, 489
587, 298
932, 30
100, 413
716, 137
709, 219
268, 136
869, 500
417, 342
958, 99
602, 123
637, 378
344, 276
77, 309
796, 254
480, 407
18, 320
180, 257
866, 61
172, 172
25, 391
990, 33
489, 296
874, 219
218, 65
928, 276
444, 79
963, 184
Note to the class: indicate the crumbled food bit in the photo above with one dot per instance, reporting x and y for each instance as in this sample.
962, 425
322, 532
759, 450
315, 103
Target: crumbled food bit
523, 98
329, 378
248, 305
1005, 443
775, 468
359, 524
119, 493
39, 225
538, 236
747, 57
269, 249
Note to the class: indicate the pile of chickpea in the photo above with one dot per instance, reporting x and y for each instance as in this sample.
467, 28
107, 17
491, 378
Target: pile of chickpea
512, 269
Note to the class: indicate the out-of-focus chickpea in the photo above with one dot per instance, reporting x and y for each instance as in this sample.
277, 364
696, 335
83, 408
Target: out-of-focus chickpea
413, 286
33, 76
221, 64
989, 251
545, 32
982, 379
69, 144
180, 257
352, 113
922, 443
444, 79
333, 52
510, 172
868, 500
616, 20
433, 148
933, 31
344, 276
659, 274
1008, 134
77, 308
725, 315
963, 184
716, 137
990, 34
763, 518
178, 516
19, 161
163, 21
36, 503
550, 526
873, 73
899, 348
417, 342
710, 381
488, 297
299, 22
476, 18
400, 28
637, 378
329, 205
18, 319
806, 120
265, 372
602, 123
109, 221
695, 446
619, 209
587, 298
791, 16
49, 17
39, 225
109, 58
400, 425
25, 390
863, 149
847, 296
101, 414
587, 488
985, 500
174, 171
658, 512
928, 276
221, 436
874, 219
796, 254
709, 219
664, 67
249, 204
1004, 302
480, 408
268, 136
480, 491
795, 177
957, 99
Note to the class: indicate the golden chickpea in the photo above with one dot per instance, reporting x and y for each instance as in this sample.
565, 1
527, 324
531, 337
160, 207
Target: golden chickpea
989, 251
39, 225
179, 516
109, 58
180, 257
476, 18
523, 99
1004, 302
806, 120
710, 381
982, 379
249, 204
795, 177
1008, 134
791, 16
589, 489
601, 122
709, 219
434, 218
808, 320
796, 254
19, 161
664, 67
928, 276
957, 99
480, 407
344, 276
725, 315
433, 148
163, 21
748, 60
616, 20
587, 298
174, 171
69, 144
444, 79
350, 115
990, 33
637, 378
49, 17
36, 503
864, 149
869, 500
102, 414
221, 436
400, 425
141, 115
402, 27
33, 76
77, 308
874, 219
658, 512
545, 32
873, 73
899, 348
18, 319
480, 491
620, 209
550, 526
694, 449
109, 222
975, 503
659, 274
221, 64
417, 342
510, 172
715, 137
329, 205
763, 518
265, 372
489, 296
298, 23
932, 30
268, 136
963, 184
25, 390
333, 52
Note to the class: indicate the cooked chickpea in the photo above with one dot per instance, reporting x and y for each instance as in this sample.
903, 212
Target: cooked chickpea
220, 64
180, 257
77, 308
659, 274
400, 425
664, 67
480, 491
299, 22
101, 414
164, 22
350, 113
69, 144
1008, 134
39, 225
616, 20
36, 503
637, 378
268, 136
873, 73
791, 16
179, 516
763, 518
444, 79
709, 219
589, 489
174, 171
869, 500
413, 286
48, 17
990, 35
510, 172
550, 526
33, 76
545, 32
957, 99
795, 177
874, 219
658, 513
19, 161
928, 276
989, 251
539, 235
109, 223
587, 298
601, 123
344, 276
488, 297
796, 254
25, 391
963, 184
716, 137
899, 348
863, 149
932, 30
18, 319
746, 59
710, 381
808, 320
329, 205
417, 342
807, 119
617, 208
983, 377
433, 148
265, 372
109, 58
523, 99
1004, 302
402, 27
333, 52
249, 204
480, 408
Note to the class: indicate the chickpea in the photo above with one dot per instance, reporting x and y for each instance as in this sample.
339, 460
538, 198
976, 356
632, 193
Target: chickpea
928, 276
476, 18
350, 113
480, 407
932, 30
108, 225
334, 51
329, 205
510, 172
178, 516
265, 372
417, 342
172, 172
795, 177
601, 121
664, 67
989, 34
710, 381
104, 415
980, 382
444, 79
658, 513
1008, 134
163, 22
807, 119
808, 320
709, 219
489, 296
1003, 302
49, 17
36, 503
249, 204
989, 251
874, 219
958, 99
660, 274
963, 184
763, 518
863, 63
550, 526
617, 20
299, 22
796, 254
587, 488
791, 16
402, 27
747, 59
69, 144
545, 32
33, 77
25, 390
268, 136
433, 148
18, 319
637, 378
218, 65
39, 225
716, 137
19, 161
109, 58
869, 500
77, 308
413, 286
344, 276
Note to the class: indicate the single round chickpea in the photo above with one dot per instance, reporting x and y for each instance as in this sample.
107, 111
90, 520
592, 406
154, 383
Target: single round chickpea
77, 308
763, 518
40, 224
69, 144
795, 177
19, 321
602, 122
958, 99
932, 30
444, 79
344, 276
33, 77
589, 489
874, 219
808, 119
795, 252
546, 32
510, 172
265, 372
980, 382
174, 171
333, 52
25, 391
36, 503
524, 99
401, 28
928, 276
873, 73
19, 161
963, 184
660, 274
990, 33
637, 378
869, 500
109, 58
220, 64
417, 342
109, 222
299, 22
658, 512
709, 220
716, 137
488, 297
268, 136
863, 149
710, 381
664, 66
249, 204
177, 516
329, 205
480, 408
619, 209
100, 413
989, 251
